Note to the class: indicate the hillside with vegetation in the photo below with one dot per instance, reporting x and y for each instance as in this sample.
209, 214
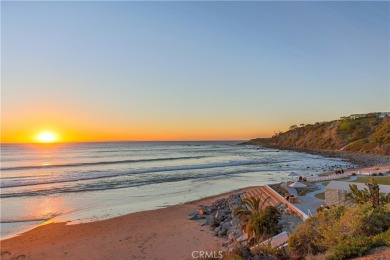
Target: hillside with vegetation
366, 134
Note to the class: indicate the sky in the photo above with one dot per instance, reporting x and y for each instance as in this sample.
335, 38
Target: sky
115, 71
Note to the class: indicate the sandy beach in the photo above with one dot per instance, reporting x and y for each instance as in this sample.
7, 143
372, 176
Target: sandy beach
165, 233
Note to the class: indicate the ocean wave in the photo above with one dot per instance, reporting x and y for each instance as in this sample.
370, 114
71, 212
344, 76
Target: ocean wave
103, 174
98, 163
24, 220
118, 184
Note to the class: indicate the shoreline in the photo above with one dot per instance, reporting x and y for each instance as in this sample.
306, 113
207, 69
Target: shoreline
359, 159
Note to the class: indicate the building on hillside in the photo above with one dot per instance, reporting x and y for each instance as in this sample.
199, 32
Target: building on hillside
383, 114
356, 116
335, 192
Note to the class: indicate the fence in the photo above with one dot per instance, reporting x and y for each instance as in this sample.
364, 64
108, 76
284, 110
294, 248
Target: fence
299, 212
328, 178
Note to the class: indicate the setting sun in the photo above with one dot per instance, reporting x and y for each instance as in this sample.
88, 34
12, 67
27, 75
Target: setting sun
47, 137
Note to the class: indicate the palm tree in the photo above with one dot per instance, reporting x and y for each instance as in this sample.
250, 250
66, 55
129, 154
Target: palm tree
256, 220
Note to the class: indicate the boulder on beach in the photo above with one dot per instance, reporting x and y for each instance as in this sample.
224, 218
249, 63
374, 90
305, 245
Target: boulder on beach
231, 235
222, 232
242, 238
216, 230
226, 225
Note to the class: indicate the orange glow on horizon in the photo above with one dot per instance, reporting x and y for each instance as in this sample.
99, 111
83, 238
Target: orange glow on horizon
72, 124
84, 129
49, 137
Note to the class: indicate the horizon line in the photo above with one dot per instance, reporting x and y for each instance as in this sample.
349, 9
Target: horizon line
127, 141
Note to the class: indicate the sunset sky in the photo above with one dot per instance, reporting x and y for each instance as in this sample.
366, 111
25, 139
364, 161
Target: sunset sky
104, 71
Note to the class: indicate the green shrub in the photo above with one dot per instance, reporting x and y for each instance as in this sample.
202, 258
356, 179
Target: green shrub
266, 251
380, 174
374, 174
382, 239
365, 195
353, 174
382, 134
337, 232
302, 241
357, 145
384, 198
375, 220
349, 224
350, 247
312, 235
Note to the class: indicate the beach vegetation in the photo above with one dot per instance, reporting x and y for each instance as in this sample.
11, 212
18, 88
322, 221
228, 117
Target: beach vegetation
382, 239
342, 233
358, 196
384, 198
385, 180
371, 193
262, 251
279, 189
350, 247
306, 190
256, 220
320, 195
382, 135
266, 251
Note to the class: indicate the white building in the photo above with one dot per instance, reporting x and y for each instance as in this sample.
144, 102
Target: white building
356, 116
383, 114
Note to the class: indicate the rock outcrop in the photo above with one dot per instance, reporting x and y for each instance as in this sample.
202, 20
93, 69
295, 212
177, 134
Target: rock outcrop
219, 217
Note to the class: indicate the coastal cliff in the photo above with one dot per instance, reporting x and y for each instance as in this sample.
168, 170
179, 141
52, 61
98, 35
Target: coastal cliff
368, 134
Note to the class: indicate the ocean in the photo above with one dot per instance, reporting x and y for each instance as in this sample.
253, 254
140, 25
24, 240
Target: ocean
83, 182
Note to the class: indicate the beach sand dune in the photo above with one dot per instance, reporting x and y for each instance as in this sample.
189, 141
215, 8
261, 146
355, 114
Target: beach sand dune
165, 233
